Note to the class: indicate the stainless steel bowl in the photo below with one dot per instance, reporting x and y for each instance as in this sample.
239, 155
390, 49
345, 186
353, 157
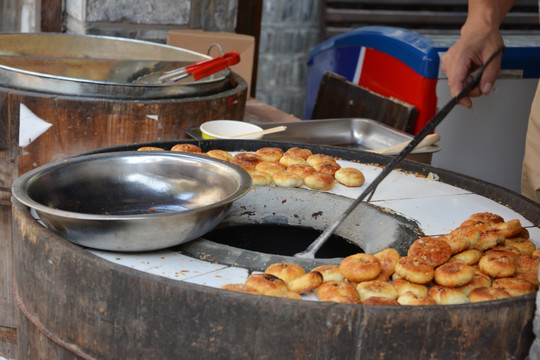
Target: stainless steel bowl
132, 201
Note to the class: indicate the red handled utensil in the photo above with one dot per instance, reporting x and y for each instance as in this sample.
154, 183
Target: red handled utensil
201, 69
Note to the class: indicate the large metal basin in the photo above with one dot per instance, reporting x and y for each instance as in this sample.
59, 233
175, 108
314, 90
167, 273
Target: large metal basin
132, 201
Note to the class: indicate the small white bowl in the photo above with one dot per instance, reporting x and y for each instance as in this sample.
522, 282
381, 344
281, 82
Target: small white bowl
228, 129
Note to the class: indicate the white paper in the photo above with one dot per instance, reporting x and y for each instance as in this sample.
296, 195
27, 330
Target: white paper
30, 126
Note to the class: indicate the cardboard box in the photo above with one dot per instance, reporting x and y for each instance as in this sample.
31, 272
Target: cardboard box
200, 41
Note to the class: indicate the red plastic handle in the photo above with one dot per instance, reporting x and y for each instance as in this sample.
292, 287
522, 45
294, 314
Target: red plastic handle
208, 67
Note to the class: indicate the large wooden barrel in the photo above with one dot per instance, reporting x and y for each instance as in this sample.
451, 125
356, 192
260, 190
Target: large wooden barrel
78, 124
75, 305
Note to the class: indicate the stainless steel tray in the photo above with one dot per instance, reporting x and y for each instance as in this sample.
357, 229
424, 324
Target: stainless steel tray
354, 133
98, 66
351, 133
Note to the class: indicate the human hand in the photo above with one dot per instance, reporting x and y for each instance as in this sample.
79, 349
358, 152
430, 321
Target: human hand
476, 44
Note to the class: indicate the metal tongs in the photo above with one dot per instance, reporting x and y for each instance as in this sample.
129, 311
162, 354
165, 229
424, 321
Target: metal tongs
312, 249
198, 70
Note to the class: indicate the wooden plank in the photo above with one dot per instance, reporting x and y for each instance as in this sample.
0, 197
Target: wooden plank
249, 23
339, 98
51, 16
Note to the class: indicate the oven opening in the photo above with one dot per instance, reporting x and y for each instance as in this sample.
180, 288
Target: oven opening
279, 239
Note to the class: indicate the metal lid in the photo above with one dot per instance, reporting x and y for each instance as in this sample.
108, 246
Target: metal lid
98, 66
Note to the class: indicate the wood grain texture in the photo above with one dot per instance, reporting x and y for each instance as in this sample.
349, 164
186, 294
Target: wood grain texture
339, 98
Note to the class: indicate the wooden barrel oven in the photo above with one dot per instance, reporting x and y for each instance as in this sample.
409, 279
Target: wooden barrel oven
73, 304
79, 124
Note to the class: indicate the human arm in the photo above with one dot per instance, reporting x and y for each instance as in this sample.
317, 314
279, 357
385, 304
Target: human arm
480, 37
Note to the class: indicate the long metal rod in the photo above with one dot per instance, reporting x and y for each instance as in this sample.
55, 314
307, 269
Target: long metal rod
427, 129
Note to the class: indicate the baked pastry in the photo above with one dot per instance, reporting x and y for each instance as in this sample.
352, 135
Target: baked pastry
360, 267
479, 280
329, 272
189, 148
243, 288
453, 274
306, 283
431, 250
329, 168
410, 298
248, 161
315, 159
301, 152
220, 154
267, 284
285, 271
487, 294
349, 176
287, 179
269, 167
288, 160
446, 295
367, 289
150, 148
388, 258
338, 291
260, 178
301, 169
269, 153
514, 286
319, 181
414, 269
403, 286
469, 257
497, 264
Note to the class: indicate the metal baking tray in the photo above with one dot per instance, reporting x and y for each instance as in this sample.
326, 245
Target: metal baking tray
351, 133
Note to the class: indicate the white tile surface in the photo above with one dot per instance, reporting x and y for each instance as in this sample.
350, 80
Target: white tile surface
437, 207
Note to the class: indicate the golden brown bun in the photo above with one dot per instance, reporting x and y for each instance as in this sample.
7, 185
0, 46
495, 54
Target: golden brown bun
190, 148
285, 271
489, 239
469, 257
525, 246
388, 258
414, 270
349, 176
432, 251
497, 264
287, 179
306, 283
330, 272
267, 284
447, 296
410, 298
241, 288
288, 160
514, 286
149, 148
508, 229
403, 286
327, 168
453, 274
320, 159
479, 280
360, 267
301, 169
300, 152
220, 154
260, 178
247, 161
380, 300
337, 290
367, 289
487, 294
319, 181
269, 153
269, 167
